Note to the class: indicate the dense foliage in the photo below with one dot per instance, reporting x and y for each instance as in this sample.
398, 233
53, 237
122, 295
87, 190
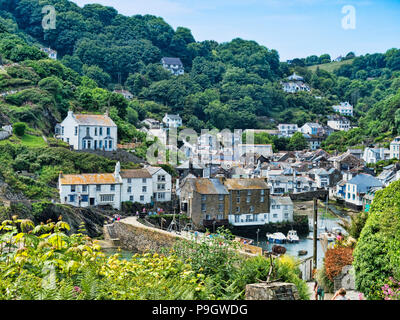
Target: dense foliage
44, 262
377, 255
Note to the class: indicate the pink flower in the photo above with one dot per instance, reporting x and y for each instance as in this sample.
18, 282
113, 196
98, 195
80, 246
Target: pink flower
77, 289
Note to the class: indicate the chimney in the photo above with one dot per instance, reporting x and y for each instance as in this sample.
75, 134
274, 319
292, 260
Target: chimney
106, 113
70, 113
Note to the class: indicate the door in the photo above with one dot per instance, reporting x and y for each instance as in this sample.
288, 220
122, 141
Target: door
91, 202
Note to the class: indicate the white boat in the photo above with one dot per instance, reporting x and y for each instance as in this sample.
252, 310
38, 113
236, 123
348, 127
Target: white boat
277, 237
330, 236
292, 236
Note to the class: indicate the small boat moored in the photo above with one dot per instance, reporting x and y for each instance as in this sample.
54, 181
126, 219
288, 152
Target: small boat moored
302, 252
328, 235
277, 237
292, 236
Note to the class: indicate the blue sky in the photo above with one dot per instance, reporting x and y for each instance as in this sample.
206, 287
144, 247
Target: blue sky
296, 28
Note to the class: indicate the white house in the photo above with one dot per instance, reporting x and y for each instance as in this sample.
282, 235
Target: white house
293, 87
91, 189
174, 65
395, 148
339, 123
50, 52
344, 108
281, 209
358, 186
373, 155
287, 130
311, 128
127, 95
137, 186
88, 131
321, 177
162, 184
172, 120
282, 184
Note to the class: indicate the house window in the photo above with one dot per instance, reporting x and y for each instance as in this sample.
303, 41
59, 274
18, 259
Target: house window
95, 131
98, 187
286, 216
106, 198
161, 178
220, 216
110, 144
275, 215
203, 197
237, 218
73, 188
84, 188
130, 198
238, 209
144, 180
248, 217
208, 217
144, 189
254, 217
221, 197
251, 209
203, 207
129, 180
100, 131
108, 131
62, 130
221, 207
249, 192
112, 187
76, 131
262, 192
161, 195
72, 198
85, 198
160, 186
262, 199
100, 144
129, 189
238, 199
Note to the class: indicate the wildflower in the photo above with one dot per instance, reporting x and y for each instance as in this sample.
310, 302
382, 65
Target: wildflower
77, 289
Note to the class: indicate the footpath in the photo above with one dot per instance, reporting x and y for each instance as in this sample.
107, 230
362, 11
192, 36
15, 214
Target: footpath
353, 295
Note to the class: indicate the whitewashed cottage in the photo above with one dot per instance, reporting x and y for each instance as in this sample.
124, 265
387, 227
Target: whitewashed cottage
88, 131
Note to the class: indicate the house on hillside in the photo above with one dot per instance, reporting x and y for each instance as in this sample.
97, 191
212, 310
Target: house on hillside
395, 148
174, 65
172, 120
50, 52
340, 123
373, 155
344, 108
287, 130
137, 186
162, 184
281, 209
88, 131
127, 95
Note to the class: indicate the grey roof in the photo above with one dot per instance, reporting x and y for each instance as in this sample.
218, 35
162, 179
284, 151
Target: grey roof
173, 116
364, 182
170, 60
282, 200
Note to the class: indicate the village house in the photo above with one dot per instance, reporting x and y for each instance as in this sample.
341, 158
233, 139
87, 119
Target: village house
172, 121
52, 54
357, 187
314, 141
358, 153
174, 65
295, 84
137, 186
127, 95
281, 209
151, 123
344, 108
88, 131
282, 184
161, 184
320, 176
311, 128
339, 123
260, 149
287, 130
373, 155
91, 189
395, 148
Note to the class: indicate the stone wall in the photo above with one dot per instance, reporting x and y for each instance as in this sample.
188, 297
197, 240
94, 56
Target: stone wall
345, 279
308, 196
136, 237
272, 291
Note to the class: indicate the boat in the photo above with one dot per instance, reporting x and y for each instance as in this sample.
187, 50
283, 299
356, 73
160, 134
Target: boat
330, 236
302, 252
277, 237
292, 236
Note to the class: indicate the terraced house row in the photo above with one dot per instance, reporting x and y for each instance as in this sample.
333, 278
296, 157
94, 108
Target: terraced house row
146, 185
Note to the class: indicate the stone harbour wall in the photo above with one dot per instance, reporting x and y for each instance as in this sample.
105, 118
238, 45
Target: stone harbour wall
136, 237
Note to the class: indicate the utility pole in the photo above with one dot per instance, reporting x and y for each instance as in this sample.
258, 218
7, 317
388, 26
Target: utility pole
315, 232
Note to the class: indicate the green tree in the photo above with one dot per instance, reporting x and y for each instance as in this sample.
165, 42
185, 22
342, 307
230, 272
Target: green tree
19, 128
298, 142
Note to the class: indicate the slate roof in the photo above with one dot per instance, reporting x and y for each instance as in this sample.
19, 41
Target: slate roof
208, 186
364, 182
282, 200
135, 173
171, 60
243, 184
94, 119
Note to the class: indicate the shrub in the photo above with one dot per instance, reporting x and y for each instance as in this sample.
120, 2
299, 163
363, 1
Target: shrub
19, 128
377, 255
336, 259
